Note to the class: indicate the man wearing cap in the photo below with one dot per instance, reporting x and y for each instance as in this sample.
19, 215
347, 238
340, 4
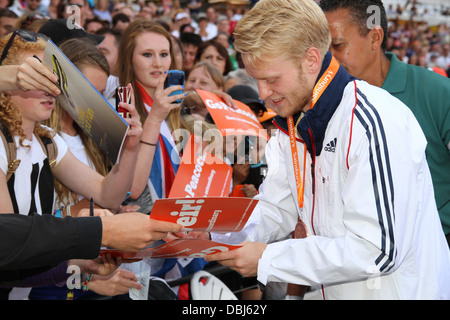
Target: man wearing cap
181, 18
248, 96
267, 123
248, 176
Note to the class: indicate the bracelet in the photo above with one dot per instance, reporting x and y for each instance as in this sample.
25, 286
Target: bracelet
86, 282
148, 143
154, 121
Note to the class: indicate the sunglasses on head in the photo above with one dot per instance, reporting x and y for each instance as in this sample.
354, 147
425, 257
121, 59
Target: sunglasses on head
26, 35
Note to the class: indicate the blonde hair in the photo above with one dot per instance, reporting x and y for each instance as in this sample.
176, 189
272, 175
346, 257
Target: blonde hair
209, 68
81, 53
275, 27
9, 114
189, 123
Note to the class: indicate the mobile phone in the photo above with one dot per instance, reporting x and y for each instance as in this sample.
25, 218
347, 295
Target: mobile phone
123, 94
174, 78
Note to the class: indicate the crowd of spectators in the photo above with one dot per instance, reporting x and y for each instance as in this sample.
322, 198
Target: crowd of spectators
116, 20
418, 41
413, 35
208, 22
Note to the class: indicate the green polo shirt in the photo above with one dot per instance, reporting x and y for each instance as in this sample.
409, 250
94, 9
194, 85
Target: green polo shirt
427, 94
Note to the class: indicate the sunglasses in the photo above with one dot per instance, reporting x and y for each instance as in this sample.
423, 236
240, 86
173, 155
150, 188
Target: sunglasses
26, 35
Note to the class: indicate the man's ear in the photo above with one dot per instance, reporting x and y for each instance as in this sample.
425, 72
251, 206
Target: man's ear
313, 60
376, 35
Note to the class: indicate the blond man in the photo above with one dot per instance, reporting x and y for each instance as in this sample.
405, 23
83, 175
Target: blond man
347, 173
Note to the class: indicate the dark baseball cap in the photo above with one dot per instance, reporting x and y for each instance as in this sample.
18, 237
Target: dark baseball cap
59, 30
247, 95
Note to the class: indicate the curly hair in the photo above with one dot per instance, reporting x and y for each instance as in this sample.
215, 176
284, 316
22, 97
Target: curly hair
9, 113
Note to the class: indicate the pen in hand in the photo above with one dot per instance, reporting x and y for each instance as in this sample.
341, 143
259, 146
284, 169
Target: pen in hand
91, 208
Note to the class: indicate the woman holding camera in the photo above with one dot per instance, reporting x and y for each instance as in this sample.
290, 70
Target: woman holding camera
146, 55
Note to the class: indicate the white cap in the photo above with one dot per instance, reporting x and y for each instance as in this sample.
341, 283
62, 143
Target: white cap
181, 15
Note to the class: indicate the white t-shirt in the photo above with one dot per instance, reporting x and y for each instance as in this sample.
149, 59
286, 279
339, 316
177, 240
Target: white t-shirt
76, 146
27, 178
27, 175
110, 91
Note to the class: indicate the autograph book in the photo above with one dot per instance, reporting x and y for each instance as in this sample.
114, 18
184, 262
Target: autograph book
87, 107
183, 248
216, 214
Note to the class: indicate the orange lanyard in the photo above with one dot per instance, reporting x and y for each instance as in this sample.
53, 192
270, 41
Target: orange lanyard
319, 88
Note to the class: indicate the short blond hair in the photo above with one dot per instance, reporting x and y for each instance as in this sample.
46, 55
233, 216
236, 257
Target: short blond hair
274, 27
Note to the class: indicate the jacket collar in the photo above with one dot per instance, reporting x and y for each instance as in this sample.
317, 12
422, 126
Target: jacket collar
395, 81
315, 121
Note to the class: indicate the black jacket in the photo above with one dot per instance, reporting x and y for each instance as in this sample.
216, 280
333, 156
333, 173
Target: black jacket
33, 244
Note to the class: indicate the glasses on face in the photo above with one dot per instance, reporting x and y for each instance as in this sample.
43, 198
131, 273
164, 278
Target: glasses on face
26, 35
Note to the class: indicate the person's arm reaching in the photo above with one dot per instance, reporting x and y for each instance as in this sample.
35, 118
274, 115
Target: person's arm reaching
33, 244
30, 75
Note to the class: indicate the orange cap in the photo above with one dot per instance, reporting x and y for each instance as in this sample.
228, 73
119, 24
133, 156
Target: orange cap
269, 114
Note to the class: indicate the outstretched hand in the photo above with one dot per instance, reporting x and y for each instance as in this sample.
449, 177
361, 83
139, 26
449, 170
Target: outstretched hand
103, 265
134, 231
243, 260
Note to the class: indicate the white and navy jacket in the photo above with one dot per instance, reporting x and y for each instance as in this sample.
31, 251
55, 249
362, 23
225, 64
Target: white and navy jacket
374, 230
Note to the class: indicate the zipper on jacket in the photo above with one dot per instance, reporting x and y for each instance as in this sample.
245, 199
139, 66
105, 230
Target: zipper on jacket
313, 176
